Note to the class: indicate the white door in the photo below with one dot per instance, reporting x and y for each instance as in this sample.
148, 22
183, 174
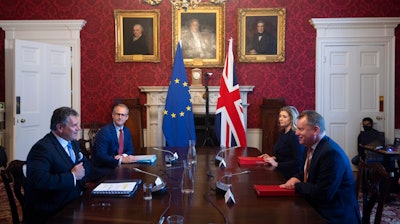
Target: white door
354, 78
42, 83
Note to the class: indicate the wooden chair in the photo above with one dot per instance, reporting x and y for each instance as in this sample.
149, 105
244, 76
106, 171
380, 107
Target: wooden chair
14, 174
373, 181
86, 145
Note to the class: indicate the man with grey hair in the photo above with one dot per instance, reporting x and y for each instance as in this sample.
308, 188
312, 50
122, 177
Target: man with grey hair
327, 180
137, 43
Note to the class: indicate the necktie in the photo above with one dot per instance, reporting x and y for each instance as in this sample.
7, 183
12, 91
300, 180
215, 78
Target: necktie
71, 152
121, 142
307, 164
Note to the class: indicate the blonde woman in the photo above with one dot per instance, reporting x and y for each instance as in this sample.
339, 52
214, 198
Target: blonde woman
289, 153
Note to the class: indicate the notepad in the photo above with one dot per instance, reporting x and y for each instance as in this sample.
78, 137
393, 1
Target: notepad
117, 188
246, 160
145, 158
273, 190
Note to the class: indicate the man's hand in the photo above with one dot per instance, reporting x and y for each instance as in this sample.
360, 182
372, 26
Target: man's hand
290, 183
79, 171
128, 159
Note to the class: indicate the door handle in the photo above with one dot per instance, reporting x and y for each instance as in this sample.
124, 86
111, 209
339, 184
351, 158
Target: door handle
23, 120
379, 118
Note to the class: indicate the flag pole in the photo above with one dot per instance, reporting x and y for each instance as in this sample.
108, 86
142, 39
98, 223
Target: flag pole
208, 136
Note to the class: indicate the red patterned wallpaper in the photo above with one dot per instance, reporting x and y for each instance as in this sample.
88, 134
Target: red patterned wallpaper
103, 79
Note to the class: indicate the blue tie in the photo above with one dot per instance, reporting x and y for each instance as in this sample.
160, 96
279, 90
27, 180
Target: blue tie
71, 152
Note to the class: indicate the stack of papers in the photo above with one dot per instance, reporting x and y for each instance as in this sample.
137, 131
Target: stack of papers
273, 190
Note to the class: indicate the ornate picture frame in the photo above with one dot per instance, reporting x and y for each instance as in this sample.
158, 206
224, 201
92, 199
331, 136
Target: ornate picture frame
261, 35
207, 48
130, 46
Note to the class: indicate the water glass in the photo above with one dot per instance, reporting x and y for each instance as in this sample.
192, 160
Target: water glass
147, 188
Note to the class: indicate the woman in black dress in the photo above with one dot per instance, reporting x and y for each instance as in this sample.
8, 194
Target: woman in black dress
289, 153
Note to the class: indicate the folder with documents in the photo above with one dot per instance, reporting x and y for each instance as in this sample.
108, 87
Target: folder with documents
273, 190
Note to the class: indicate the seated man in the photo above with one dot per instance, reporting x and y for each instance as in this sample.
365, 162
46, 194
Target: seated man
56, 170
367, 138
113, 143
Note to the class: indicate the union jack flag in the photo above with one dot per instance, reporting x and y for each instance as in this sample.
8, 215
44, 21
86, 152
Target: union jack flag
229, 121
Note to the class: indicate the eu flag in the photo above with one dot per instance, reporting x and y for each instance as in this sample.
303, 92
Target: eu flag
178, 122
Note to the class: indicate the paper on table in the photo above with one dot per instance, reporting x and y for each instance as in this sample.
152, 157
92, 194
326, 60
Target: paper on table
145, 158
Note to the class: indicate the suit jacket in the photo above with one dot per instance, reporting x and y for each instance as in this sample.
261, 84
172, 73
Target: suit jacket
50, 183
138, 46
106, 146
266, 45
330, 186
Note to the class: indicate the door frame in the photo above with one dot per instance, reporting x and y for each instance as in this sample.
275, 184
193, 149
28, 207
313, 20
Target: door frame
358, 31
59, 32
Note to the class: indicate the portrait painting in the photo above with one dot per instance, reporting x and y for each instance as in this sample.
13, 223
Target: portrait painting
261, 35
202, 33
137, 35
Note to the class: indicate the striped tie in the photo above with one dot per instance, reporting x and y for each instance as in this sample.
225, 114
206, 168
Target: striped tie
307, 164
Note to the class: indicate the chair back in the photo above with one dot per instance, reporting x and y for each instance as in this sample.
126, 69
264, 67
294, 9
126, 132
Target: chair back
373, 181
14, 174
3, 157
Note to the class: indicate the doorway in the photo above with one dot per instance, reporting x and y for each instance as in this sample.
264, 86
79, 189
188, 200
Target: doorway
355, 76
59, 32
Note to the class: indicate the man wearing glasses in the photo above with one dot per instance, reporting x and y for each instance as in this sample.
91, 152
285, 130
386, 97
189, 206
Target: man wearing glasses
113, 143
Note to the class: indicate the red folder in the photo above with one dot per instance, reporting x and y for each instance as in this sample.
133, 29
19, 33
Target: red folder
245, 160
273, 190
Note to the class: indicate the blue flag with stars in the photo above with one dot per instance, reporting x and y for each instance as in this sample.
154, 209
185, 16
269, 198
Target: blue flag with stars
178, 122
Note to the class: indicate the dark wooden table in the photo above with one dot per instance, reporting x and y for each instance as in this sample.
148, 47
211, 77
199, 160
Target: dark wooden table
389, 155
204, 206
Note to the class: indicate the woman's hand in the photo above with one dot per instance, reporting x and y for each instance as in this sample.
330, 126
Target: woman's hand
271, 161
264, 156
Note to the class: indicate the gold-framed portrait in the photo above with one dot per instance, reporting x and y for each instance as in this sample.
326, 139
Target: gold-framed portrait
202, 33
261, 35
137, 35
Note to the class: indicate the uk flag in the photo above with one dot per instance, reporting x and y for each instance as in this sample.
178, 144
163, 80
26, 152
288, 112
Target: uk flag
229, 120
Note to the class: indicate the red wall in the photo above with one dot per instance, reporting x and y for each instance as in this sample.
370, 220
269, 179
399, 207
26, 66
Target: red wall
103, 79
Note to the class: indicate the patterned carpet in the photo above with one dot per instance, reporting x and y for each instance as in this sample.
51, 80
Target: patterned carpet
391, 214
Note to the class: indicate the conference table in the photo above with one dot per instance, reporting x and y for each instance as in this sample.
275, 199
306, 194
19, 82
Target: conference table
205, 205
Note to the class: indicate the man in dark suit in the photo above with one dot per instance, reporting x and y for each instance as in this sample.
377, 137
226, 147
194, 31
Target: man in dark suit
328, 181
137, 43
108, 152
367, 138
262, 42
56, 169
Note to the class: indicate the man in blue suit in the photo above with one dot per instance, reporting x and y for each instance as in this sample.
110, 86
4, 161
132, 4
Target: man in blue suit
56, 169
108, 151
327, 179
